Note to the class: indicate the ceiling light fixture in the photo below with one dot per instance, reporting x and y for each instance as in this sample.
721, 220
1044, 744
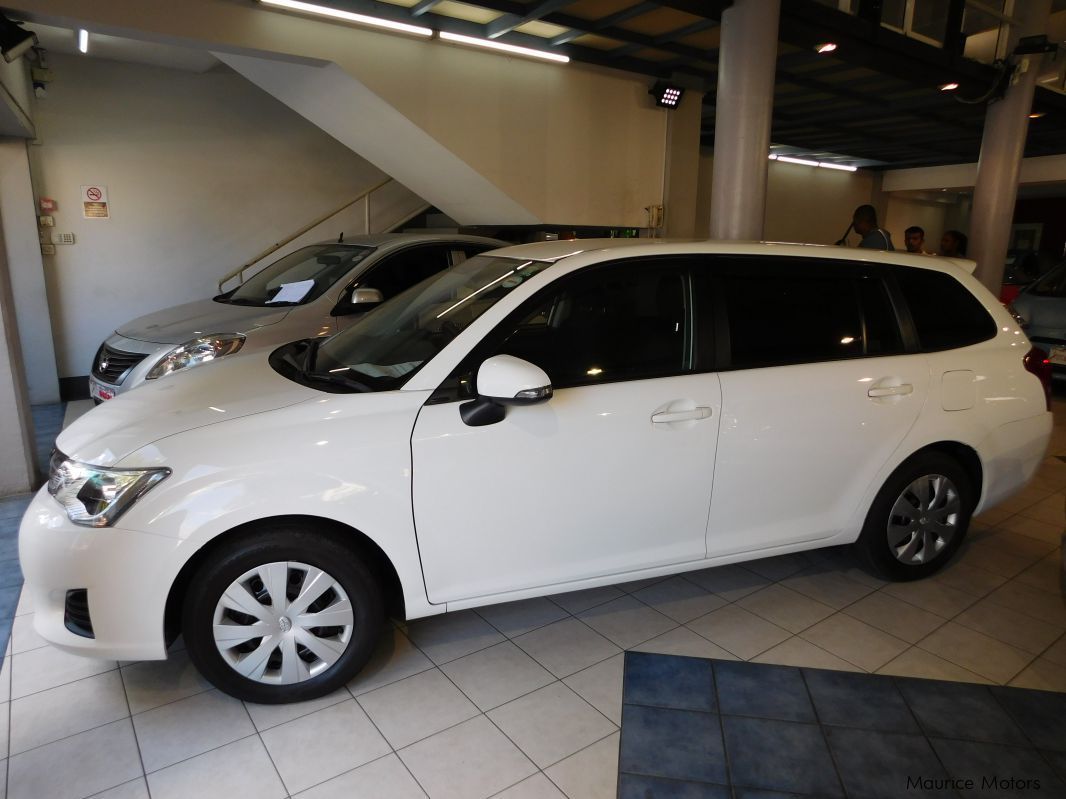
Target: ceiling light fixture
83, 41
504, 48
14, 39
948, 87
1037, 114
348, 16
826, 47
667, 95
807, 162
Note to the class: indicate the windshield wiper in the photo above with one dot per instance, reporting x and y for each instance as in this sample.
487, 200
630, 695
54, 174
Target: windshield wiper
338, 379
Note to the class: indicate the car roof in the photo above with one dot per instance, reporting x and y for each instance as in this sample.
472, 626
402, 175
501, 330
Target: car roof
559, 250
391, 240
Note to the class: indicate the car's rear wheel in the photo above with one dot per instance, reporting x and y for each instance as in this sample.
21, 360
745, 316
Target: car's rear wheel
281, 615
918, 519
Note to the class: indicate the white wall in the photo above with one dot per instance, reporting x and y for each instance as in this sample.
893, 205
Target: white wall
203, 172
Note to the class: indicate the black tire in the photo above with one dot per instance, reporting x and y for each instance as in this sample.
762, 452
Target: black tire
873, 546
282, 543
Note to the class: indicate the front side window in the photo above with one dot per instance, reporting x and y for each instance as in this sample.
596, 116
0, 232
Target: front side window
300, 277
398, 272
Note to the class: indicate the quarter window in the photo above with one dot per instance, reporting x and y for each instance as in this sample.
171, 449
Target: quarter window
945, 314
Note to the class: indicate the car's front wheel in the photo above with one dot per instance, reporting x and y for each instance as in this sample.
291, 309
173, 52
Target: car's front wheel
918, 518
281, 615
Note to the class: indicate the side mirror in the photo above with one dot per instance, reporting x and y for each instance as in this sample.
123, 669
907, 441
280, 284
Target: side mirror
358, 301
504, 380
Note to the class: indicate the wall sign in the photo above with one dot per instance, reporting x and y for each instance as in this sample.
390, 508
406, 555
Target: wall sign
94, 202
47, 204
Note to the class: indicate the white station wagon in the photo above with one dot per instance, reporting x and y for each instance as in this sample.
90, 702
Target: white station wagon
540, 419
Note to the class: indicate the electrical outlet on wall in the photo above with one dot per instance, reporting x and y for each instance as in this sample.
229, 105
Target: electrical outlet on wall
47, 221
48, 249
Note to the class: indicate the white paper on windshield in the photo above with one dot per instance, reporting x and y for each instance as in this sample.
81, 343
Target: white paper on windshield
293, 292
387, 370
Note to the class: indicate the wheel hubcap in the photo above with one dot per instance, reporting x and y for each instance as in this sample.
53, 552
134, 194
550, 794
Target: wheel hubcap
924, 519
283, 623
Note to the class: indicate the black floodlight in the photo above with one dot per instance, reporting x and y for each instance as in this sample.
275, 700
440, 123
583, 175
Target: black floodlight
14, 40
667, 95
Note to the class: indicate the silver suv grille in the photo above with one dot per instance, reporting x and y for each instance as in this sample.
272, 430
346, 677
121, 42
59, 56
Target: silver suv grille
112, 365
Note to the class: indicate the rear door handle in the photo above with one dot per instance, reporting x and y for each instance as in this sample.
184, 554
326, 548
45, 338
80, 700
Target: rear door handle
891, 391
701, 412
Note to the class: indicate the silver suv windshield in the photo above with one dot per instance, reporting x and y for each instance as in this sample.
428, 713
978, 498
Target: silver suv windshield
384, 349
298, 278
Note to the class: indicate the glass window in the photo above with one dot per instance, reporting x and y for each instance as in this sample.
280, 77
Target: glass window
945, 313
617, 322
1053, 284
399, 271
881, 326
312, 269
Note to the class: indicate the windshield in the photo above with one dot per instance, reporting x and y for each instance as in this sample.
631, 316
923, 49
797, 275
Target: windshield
388, 346
300, 277
1053, 284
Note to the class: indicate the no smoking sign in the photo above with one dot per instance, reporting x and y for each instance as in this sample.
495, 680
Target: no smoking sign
94, 202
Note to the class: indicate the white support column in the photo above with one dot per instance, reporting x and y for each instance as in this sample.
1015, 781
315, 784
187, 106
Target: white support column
747, 60
16, 426
1002, 149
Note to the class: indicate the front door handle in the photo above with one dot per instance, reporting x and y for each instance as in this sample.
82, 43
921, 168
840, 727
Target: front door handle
665, 417
891, 391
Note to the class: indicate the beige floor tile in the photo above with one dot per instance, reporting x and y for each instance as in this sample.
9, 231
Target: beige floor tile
983, 554
551, 724
779, 567
1056, 653
855, 641
976, 652
25, 604
827, 586
190, 727
48, 667
471, 761
1009, 626
394, 659
601, 686
83, 764
895, 617
1050, 532
385, 777
319, 747
566, 646
415, 708
5, 680
1043, 675
242, 768
47, 716
514, 618
785, 608
1031, 601
265, 717
536, 787
1015, 543
737, 631
135, 789
729, 582
158, 682
577, 601
798, 652
968, 579
917, 662
994, 516
1051, 510
592, 773
931, 596
683, 641
23, 636
626, 621
1045, 574
632, 586
497, 675
680, 599
452, 635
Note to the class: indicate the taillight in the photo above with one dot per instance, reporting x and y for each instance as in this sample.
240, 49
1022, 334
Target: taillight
1036, 362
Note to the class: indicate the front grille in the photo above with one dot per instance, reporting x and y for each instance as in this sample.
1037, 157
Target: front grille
112, 366
76, 613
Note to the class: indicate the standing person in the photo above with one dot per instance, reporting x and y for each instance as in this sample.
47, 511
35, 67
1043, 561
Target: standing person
914, 238
864, 222
953, 244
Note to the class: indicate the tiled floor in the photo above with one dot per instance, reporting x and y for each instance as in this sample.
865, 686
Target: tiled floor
525, 700
696, 727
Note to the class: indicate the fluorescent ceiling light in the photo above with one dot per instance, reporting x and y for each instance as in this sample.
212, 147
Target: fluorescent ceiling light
948, 87
841, 167
806, 162
83, 40
828, 47
790, 160
506, 48
348, 16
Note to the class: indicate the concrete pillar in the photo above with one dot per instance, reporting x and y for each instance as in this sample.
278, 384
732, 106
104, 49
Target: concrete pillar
682, 166
17, 454
1002, 150
747, 59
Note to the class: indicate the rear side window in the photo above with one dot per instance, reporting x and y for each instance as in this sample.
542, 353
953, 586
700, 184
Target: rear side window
782, 314
946, 315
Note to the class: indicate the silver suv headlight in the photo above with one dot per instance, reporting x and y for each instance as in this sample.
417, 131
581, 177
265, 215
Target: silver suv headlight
195, 352
95, 496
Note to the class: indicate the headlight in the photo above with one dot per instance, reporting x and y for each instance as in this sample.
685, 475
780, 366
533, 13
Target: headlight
94, 496
196, 352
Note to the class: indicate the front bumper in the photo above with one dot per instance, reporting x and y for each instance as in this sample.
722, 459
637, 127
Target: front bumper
152, 353
127, 575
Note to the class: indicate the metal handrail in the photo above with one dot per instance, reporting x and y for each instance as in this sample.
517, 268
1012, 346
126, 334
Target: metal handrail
240, 270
